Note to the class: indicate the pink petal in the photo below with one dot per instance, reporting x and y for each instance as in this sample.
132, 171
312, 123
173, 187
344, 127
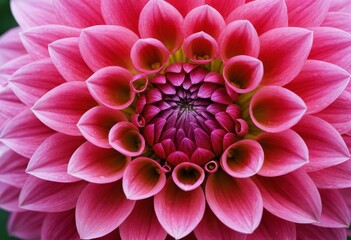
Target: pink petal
211, 228
162, 21
26, 225
326, 148
58, 226
66, 57
9, 198
50, 160
24, 133
292, 197
315, 87
188, 176
264, 15
32, 81
242, 159
143, 178
97, 165
142, 223
78, 14
45, 196
139, 83
238, 38
103, 46
10, 105
309, 232
185, 7
179, 212
63, 113
340, 6
11, 46
36, 40
283, 53
204, 18
308, 13
110, 86
338, 20
243, 73
272, 227
275, 109
149, 55
101, 208
12, 66
123, 13
236, 202
33, 13
333, 46
281, 158
96, 123
225, 7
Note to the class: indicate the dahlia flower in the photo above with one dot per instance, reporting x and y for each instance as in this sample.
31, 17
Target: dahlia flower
201, 119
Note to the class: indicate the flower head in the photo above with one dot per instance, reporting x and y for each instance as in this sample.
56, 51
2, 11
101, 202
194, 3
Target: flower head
200, 119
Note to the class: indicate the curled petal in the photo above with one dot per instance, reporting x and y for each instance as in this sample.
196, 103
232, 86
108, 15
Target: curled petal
308, 231
211, 166
139, 83
243, 73
242, 159
281, 159
96, 123
204, 18
26, 225
275, 109
149, 55
143, 178
200, 48
238, 38
179, 212
110, 86
162, 21
125, 138
338, 20
188, 176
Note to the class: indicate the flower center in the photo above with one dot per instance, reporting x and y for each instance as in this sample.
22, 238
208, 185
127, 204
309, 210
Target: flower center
189, 116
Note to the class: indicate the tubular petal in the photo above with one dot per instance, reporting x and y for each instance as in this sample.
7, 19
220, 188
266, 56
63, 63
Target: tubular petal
139, 83
101, 208
275, 109
160, 20
188, 176
185, 7
50, 160
59, 110
292, 197
26, 224
110, 86
281, 158
179, 212
142, 223
103, 46
237, 203
97, 165
308, 232
242, 159
338, 20
283, 53
143, 178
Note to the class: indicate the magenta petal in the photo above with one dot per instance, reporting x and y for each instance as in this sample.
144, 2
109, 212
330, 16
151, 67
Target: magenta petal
162, 21
102, 46
95, 124
292, 197
236, 202
9, 198
283, 53
340, 6
308, 13
143, 178
50, 160
325, 146
185, 7
319, 84
308, 232
338, 20
26, 225
142, 223
45, 196
24, 133
264, 15
58, 226
63, 113
179, 212
32, 81
225, 7
188, 176
101, 208
97, 165
206, 19
66, 57
275, 109
78, 14
111, 87
36, 40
